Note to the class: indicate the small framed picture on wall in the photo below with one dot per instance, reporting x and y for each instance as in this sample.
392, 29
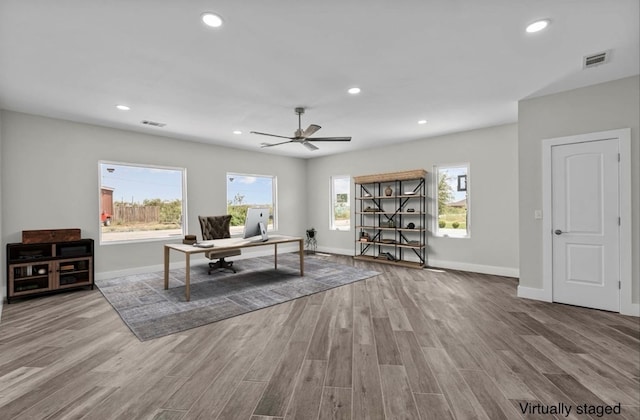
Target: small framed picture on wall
462, 183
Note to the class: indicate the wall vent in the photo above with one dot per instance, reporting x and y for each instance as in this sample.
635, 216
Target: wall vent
595, 59
153, 123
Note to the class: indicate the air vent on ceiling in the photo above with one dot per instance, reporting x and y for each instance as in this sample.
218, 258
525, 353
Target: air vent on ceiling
595, 59
153, 123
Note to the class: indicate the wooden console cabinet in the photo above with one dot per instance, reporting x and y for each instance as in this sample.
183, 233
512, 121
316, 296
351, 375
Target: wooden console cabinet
38, 268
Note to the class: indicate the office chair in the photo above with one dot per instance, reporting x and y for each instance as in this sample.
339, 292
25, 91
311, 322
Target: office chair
217, 227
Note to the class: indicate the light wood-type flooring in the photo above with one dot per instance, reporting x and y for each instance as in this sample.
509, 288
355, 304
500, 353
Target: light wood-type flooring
407, 344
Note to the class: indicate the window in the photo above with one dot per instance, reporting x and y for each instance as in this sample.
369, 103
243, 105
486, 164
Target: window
340, 203
141, 202
452, 208
244, 191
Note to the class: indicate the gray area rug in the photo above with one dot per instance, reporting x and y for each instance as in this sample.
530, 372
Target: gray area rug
152, 312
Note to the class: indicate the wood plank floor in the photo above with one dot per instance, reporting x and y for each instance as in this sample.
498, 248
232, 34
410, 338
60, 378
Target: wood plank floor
407, 344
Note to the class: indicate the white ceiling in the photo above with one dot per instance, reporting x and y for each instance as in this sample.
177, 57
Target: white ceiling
459, 64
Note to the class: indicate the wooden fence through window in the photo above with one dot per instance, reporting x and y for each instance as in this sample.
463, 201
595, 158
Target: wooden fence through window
136, 214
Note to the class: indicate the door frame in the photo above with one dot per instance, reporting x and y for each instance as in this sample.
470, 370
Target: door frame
627, 307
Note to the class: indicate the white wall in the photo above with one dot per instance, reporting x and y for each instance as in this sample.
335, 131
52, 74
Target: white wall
595, 108
50, 174
493, 194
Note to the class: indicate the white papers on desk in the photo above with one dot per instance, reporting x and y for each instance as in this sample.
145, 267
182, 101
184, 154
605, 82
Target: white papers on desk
205, 244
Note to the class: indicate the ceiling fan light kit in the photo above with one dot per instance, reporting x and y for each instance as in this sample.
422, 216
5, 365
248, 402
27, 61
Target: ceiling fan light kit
301, 136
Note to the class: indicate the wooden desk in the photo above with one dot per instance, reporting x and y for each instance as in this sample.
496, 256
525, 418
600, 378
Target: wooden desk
226, 244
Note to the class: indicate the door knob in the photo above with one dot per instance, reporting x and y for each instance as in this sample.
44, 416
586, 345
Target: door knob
557, 232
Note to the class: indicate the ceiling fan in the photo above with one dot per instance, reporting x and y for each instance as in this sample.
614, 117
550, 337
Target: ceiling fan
301, 136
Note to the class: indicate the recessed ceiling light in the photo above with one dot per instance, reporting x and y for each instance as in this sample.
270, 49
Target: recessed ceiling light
422, 122
212, 20
538, 25
354, 90
123, 107
237, 132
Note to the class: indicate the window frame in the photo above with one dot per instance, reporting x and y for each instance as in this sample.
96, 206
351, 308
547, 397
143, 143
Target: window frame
467, 178
332, 218
183, 198
237, 231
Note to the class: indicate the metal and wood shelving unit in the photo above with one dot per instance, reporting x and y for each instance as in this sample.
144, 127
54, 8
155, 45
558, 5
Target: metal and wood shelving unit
391, 218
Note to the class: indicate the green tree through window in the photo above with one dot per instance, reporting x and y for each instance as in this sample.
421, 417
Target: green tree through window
452, 210
244, 191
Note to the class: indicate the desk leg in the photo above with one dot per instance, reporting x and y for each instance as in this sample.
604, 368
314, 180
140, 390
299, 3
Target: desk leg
166, 267
301, 246
275, 256
187, 277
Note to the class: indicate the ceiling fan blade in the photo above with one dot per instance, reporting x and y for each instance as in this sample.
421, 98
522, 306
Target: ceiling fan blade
310, 130
309, 146
270, 135
274, 144
330, 139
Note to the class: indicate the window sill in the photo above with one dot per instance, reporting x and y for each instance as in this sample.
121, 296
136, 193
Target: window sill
451, 236
167, 238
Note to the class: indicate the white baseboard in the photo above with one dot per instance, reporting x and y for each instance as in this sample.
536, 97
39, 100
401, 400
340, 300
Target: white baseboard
201, 259
338, 251
475, 268
631, 309
533, 293
451, 265
136, 270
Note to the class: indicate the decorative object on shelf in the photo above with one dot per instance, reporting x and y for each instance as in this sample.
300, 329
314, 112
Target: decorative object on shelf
391, 207
310, 242
43, 236
189, 239
389, 256
364, 236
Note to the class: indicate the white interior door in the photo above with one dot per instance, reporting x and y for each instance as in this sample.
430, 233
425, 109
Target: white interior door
585, 219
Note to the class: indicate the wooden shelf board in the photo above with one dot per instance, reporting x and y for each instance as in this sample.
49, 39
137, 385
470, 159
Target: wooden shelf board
76, 284
388, 228
31, 291
386, 197
410, 264
417, 213
390, 177
391, 244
